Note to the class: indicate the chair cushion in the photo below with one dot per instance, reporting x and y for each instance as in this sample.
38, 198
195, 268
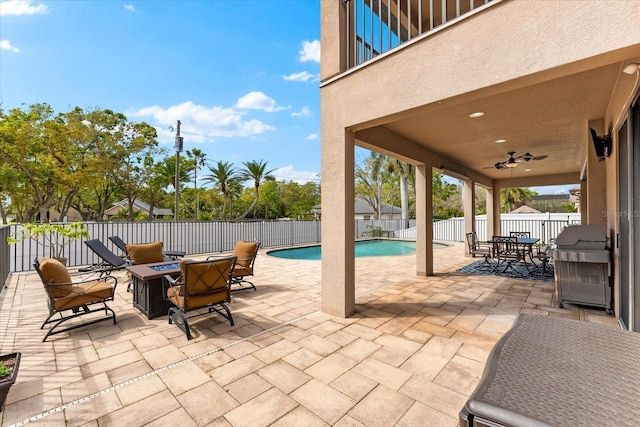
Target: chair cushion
79, 295
53, 271
245, 251
145, 253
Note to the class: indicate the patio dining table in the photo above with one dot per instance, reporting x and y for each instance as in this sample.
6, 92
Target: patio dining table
525, 244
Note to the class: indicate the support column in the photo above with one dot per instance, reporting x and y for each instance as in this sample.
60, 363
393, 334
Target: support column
584, 197
497, 227
338, 223
491, 213
469, 202
424, 220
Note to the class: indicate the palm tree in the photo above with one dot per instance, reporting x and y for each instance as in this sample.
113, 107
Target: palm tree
254, 171
222, 176
509, 197
198, 157
403, 170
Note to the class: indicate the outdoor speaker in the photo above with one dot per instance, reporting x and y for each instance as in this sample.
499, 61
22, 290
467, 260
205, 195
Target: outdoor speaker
602, 144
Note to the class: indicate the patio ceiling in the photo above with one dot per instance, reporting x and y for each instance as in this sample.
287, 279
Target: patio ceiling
543, 118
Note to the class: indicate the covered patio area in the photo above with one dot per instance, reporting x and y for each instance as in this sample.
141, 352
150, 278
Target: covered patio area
411, 355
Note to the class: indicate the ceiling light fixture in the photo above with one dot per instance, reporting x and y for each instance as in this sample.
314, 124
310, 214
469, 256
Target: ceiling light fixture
500, 141
631, 68
476, 114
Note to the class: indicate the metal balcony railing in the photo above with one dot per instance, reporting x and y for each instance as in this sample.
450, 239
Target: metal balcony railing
378, 26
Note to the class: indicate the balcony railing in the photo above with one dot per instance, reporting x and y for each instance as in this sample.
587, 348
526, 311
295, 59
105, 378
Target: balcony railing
378, 26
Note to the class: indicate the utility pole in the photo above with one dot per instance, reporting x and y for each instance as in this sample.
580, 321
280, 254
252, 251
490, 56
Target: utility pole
179, 145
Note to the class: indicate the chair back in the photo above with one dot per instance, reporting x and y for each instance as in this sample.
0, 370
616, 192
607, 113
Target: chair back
525, 234
206, 282
52, 271
104, 253
471, 241
506, 247
145, 253
120, 244
246, 253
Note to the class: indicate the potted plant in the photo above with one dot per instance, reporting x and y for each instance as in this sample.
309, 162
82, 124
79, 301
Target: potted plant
9, 364
55, 237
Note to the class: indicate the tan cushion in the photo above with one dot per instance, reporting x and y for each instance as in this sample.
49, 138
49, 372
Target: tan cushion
245, 251
53, 271
79, 295
145, 253
206, 283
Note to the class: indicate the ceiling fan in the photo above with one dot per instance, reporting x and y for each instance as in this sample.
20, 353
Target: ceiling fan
513, 160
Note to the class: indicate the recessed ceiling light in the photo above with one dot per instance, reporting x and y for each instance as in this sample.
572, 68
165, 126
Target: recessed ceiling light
527, 170
476, 114
500, 141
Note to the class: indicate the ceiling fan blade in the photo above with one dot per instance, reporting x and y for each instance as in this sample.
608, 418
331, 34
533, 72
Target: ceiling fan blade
539, 157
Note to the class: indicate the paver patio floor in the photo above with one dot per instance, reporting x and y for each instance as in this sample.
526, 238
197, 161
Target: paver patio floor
411, 355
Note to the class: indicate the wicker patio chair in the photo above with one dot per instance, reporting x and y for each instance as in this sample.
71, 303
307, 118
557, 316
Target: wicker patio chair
202, 284
68, 299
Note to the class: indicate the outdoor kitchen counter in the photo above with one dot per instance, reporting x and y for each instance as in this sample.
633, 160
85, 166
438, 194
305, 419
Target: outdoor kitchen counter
554, 371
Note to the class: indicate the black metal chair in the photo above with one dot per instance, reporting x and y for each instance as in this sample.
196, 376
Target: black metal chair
477, 248
528, 251
109, 261
507, 252
203, 284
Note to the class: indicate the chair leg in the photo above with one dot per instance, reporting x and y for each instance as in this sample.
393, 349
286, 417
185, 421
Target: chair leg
86, 310
239, 281
227, 316
180, 320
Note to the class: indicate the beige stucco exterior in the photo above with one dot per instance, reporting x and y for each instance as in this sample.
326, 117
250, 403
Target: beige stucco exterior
542, 71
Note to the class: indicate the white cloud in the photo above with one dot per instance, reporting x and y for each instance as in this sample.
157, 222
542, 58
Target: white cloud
258, 101
305, 112
303, 76
6, 45
312, 137
129, 7
199, 123
310, 51
287, 173
21, 7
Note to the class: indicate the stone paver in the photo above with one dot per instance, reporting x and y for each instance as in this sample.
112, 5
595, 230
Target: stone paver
411, 354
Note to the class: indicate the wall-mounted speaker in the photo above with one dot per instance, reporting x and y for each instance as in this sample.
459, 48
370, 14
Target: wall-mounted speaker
602, 144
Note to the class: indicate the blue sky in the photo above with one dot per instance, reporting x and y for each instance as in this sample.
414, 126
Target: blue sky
241, 75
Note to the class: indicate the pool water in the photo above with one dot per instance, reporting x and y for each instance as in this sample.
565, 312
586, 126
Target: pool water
363, 248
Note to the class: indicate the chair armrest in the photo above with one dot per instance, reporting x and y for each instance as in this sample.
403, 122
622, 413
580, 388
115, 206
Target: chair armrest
172, 281
89, 280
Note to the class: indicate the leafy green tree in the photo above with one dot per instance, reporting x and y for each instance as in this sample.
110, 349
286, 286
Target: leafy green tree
372, 181
31, 144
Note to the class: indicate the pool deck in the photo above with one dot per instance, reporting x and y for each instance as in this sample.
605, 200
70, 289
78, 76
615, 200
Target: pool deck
411, 355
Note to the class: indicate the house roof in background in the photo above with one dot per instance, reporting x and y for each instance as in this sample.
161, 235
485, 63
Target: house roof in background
141, 206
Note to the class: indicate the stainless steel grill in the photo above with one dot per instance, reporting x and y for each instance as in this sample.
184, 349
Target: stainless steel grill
582, 266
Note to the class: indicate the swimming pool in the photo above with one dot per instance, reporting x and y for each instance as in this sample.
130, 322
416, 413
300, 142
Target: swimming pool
376, 247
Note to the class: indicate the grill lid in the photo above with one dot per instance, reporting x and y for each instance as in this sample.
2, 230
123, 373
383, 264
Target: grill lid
585, 236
